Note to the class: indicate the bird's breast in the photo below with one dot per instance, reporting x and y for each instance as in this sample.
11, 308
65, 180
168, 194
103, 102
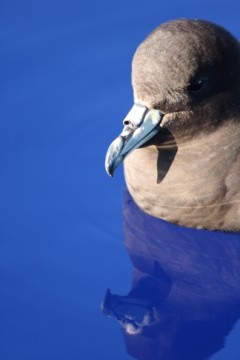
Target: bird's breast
195, 186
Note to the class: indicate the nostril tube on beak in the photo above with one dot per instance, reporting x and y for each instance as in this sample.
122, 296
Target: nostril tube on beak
129, 125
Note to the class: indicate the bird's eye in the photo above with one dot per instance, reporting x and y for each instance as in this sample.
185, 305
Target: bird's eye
196, 85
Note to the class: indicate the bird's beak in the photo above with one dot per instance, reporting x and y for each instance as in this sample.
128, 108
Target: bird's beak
140, 125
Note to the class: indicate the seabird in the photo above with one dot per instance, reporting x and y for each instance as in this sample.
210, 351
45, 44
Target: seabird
181, 140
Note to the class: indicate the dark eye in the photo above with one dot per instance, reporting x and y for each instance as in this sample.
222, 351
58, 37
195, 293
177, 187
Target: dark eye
196, 85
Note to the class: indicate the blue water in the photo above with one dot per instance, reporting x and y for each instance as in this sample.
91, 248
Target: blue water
65, 88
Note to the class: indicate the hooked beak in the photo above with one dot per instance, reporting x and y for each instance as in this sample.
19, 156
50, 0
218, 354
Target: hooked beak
140, 125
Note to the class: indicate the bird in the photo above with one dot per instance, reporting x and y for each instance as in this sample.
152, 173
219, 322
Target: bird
180, 141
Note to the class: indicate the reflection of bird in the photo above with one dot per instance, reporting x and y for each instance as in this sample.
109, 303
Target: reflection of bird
185, 294
186, 126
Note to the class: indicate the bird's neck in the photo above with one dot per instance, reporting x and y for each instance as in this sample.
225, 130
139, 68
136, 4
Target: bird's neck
194, 185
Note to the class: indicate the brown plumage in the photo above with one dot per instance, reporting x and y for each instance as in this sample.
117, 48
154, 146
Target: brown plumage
188, 173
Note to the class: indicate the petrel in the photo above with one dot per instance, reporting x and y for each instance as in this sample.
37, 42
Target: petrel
181, 140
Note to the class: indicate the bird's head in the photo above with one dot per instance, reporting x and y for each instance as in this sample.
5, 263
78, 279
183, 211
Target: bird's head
185, 78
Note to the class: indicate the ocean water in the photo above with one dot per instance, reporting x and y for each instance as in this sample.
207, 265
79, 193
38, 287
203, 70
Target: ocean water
65, 88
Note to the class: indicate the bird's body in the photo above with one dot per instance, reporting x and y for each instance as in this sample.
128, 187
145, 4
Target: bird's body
188, 171
201, 187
